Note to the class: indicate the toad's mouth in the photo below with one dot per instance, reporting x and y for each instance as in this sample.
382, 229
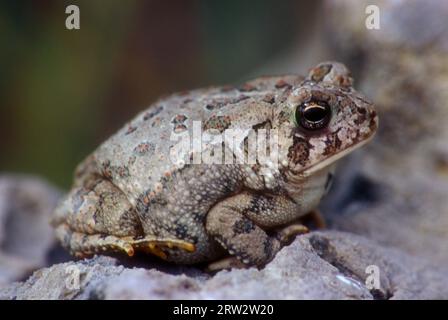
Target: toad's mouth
325, 163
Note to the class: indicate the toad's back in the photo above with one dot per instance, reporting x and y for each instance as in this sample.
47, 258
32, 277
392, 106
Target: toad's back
137, 157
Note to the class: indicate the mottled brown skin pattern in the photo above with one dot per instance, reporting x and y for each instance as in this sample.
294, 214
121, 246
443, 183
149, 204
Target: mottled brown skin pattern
129, 196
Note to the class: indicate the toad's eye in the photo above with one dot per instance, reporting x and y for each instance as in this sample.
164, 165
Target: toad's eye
313, 115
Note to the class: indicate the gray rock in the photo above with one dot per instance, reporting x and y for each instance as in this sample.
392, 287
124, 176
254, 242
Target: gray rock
319, 265
26, 237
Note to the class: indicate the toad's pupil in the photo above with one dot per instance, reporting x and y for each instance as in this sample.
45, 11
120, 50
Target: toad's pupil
315, 113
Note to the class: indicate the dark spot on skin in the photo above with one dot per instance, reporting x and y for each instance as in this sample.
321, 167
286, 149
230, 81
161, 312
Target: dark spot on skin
362, 116
241, 255
150, 114
318, 73
372, 124
179, 118
192, 239
148, 199
122, 171
106, 171
196, 216
144, 148
129, 221
283, 96
343, 80
226, 188
179, 128
247, 87
268, 251
156, 122
181, 231
270, 98
96, 215
243, 226
240, 98
259, 203
282, 84
332, 143
131, 160
219, 103
130, 130
360, 119
110, 171
299, 152
283, 116
217, 122
256, 168
263, 125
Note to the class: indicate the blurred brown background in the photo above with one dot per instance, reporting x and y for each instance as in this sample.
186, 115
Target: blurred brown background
65, 91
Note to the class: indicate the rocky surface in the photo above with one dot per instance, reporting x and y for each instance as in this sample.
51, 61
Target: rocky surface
320, 265
25, 234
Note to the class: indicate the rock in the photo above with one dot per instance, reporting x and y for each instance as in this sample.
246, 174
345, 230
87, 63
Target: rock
57, 282
25, 234
394, 189
319, 265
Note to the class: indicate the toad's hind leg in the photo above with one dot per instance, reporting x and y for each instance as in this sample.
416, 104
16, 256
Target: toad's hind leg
82, 245
97, 218
156, 245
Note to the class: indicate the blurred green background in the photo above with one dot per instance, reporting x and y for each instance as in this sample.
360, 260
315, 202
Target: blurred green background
64, 91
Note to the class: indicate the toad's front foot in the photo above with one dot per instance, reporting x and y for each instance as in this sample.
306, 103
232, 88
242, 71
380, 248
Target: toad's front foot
285, 236
238, 223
